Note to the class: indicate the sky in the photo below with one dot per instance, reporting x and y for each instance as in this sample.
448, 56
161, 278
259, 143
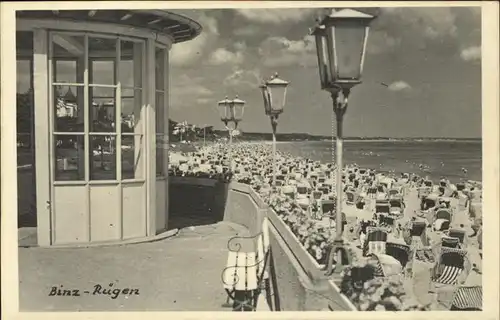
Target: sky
429, 57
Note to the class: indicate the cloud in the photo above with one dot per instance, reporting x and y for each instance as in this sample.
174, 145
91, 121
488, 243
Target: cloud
471, 53
185, 53
223, 56
282, 52
275, 16
242, 78
399, 86
429, 29
204, 100
186, 91
247, 30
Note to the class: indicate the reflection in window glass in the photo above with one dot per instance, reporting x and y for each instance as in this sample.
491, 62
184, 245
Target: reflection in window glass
131, 111
103, 157
102, 115
24, 111
68, 109
102, 72
159, 112
65, 71
69, 157
132, 156
160, 142
23, 76
102, 55
131, 64
160, 69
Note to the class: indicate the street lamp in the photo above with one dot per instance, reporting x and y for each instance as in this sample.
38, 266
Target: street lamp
231, 111
341, 38
274, 95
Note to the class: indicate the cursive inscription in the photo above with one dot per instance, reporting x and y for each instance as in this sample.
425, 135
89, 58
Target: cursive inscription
98, 290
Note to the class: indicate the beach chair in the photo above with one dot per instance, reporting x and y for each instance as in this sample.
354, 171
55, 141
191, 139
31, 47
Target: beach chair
316, 195
375, 242
288, 191
442, 220
398, 251
385, 265
457, 233
245, 271
396, 206
468, 298
450, 242
423, 192
394, 192
350, 197
416, 232
450, 266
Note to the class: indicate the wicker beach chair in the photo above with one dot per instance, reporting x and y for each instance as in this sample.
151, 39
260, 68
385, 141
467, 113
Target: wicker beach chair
450, 266
376, 239
457, 233
450, 242
398, 251
442, 220
385, 265
468, 298
351, 199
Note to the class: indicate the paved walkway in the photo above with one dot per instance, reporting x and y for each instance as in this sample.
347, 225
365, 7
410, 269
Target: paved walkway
182, 273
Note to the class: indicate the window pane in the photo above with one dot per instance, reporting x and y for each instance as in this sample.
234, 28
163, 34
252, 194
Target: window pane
102, 115
160, 110
131, 64
102, 72
160, 149
24, 43
68, 109
23, 76
69, 157
24, 110
131, 111
160, 69
68, 46
66, 71
102, 55
132, 156
103, 157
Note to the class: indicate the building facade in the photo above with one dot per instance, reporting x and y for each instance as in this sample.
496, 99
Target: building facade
93, 97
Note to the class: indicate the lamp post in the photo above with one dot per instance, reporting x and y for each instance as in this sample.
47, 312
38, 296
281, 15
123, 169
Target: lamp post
231, 111
341, 38
274, 96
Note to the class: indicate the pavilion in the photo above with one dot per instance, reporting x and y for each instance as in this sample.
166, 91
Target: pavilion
95, 87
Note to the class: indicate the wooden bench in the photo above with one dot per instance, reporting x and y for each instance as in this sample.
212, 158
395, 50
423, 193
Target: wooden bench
245, 271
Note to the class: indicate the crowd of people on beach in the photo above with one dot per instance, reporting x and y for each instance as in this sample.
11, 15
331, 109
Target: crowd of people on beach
401, 230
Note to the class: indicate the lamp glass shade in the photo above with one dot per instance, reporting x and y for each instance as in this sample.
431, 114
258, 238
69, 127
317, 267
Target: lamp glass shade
346, 37
325, 74
237, 109
265, 97
277, 94
224, 106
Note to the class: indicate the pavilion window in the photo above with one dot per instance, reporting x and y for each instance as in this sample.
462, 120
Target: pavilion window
98, 107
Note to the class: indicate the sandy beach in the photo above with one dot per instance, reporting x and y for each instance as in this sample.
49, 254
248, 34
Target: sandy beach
304, 187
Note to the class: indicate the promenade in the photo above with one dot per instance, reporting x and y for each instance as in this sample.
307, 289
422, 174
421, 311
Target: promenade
181, 273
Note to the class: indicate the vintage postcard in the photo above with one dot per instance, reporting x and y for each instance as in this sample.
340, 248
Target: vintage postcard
220, 157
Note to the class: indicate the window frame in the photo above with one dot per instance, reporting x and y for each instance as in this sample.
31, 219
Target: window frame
146, 80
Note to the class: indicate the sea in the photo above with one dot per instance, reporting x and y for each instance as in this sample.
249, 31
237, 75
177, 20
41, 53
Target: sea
434, 159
